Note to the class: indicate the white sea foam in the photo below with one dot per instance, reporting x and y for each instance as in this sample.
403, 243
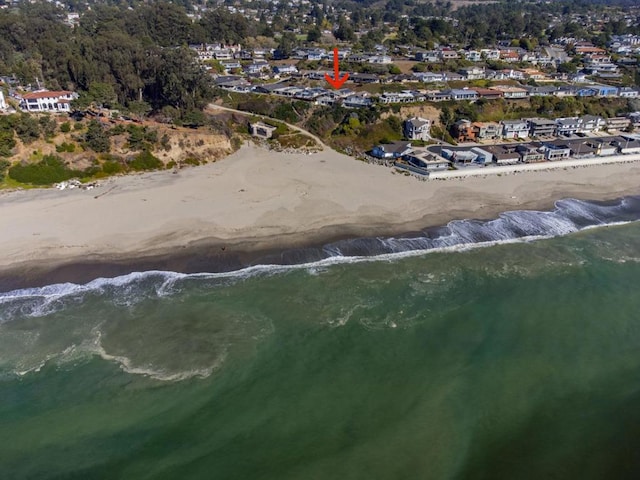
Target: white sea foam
457, 236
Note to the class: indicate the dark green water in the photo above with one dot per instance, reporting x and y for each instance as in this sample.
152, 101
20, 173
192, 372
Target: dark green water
517, 361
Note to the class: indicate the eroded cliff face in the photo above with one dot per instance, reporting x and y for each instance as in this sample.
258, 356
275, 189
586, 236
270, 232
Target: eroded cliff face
171, 145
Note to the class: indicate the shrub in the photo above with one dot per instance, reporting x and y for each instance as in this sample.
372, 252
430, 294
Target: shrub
65, 127
111, 167
145, 161
51, 169
65, 147
191, 161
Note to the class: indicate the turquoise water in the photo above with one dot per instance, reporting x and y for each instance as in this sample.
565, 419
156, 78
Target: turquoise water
516, 361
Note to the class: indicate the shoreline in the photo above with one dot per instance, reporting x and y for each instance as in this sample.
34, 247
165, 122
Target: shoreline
254, 205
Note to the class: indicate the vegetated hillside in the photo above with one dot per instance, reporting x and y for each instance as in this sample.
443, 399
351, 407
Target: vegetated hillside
44, 150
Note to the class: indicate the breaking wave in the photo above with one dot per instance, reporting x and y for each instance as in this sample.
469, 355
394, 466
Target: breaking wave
127, 291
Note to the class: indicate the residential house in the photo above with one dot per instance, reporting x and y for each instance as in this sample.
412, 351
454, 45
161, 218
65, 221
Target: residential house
488, 93
48, 101
380, 59
364, 78
473, 56
397, 97
462, 94
482, 155
285, 69
229, 65
452, 77
436, 96
533, 74
428, 57
628, 92
262, 130
555, 151
605, 90
618, 123
472, 73
463, 131
423, 163
628, 144
510, 92
3, 103
539, 91
357, 101
566, 91
257, 67
325, 100
541, 127
604, 147
448, 54
391, 150
417, 128
509, 56
490, 54
529, 154
504, 154
429, 77
568, 126
269, 88
487, 130
514, 129
591, 123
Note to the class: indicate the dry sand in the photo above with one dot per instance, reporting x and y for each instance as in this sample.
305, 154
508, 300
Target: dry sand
257, 199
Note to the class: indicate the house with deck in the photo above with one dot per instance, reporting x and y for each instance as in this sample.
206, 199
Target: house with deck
541, 127
391, 150
417, 128
422, 163
514, 129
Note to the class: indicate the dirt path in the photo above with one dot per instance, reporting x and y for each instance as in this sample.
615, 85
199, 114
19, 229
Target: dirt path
322, 145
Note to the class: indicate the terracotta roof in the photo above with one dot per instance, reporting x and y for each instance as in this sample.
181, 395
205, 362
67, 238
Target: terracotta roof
46, 94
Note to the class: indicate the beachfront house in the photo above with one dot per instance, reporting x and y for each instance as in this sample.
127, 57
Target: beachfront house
417, 128
391, 150
48, 101
514, 129
482, 156
487, 130
591, 123
423, 163
567, 126
529, 154
618, 123
555, 151
463, 131
504, 154
541, 127
628, 144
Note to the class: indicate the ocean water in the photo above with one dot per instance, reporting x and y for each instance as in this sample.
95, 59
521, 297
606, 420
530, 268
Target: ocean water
513, 360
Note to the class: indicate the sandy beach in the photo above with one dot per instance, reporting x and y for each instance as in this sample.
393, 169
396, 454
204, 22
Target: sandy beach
258, 199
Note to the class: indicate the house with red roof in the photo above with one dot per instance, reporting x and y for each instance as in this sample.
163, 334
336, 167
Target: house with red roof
48, 101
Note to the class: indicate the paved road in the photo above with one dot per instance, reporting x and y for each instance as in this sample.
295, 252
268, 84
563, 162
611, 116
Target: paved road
213, 106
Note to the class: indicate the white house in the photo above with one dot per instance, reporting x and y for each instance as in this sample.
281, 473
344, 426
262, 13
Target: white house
514, 129
48, 101
417, 128
3, 103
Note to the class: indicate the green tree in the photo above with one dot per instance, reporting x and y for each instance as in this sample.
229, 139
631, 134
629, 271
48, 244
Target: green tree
97, 138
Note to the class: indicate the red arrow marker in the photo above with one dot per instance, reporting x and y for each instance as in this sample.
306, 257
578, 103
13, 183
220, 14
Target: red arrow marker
337, 81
